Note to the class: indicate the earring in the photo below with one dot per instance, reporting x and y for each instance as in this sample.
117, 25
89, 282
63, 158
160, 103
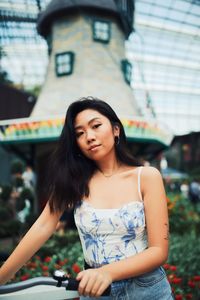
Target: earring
117, 140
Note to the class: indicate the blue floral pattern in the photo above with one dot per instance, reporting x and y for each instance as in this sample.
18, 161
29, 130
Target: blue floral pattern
109, 235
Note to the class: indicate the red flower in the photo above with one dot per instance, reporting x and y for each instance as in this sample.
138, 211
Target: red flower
176, 280
170, 277
76, 268
24, 277
166, 266
178, 297
196, 278
62, 262
47, 259
189, 296
45, 268
191, 284
173, 268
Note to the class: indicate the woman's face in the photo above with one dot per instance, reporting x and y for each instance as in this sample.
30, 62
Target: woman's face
94, 134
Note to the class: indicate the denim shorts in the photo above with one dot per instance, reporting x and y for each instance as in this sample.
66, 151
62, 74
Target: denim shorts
149, 286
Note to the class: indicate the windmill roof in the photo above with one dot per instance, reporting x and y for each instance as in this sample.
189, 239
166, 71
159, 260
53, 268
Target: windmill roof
60, 7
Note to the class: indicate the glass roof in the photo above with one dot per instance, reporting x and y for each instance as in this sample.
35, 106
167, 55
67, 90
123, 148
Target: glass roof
164, 50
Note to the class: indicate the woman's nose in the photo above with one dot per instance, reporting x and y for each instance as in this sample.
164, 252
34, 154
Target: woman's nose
90, 136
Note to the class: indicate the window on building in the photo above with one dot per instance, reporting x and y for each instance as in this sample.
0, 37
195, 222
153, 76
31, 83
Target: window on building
101, 31
64, 63
127, 70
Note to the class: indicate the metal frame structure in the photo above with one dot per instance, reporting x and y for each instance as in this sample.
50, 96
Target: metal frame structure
164, 51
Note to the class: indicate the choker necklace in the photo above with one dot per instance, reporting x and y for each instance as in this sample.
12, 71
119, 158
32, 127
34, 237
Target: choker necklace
108, 176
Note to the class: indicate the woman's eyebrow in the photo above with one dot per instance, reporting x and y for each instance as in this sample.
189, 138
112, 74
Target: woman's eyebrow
93, 119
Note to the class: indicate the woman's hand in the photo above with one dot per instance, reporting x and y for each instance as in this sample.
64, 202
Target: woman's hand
93, 282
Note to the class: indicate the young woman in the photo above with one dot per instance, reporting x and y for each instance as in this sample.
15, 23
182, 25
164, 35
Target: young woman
119, 208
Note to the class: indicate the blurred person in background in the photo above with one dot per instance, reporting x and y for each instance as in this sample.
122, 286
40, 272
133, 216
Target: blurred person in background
29, 177
194, 192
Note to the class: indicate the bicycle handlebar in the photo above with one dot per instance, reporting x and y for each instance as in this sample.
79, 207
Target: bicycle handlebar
36, 288
14, 287
69, 284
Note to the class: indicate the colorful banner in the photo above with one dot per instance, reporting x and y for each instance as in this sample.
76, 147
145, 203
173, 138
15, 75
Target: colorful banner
24, 130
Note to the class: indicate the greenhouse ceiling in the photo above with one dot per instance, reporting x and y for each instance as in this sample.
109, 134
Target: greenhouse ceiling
163, 49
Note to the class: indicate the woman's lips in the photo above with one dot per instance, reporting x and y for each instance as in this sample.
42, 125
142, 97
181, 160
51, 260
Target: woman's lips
93, 148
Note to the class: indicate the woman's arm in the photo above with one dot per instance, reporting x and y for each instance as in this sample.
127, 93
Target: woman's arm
37, 235
155, 255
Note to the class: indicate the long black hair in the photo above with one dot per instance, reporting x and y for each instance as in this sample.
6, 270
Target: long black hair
69, 170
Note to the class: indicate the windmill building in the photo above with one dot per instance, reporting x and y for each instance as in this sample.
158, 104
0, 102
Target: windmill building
86, 46
86, 41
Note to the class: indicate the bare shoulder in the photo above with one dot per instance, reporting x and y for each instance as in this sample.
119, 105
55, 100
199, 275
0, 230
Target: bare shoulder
149, 170
151, 178
150, 174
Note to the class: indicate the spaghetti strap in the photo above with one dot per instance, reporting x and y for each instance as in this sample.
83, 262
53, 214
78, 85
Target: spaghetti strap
139, 183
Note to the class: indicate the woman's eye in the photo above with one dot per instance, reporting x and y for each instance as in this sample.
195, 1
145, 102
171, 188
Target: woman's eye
79, 134
96, 125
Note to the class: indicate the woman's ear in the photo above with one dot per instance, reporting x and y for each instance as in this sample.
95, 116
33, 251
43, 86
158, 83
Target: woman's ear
116, 130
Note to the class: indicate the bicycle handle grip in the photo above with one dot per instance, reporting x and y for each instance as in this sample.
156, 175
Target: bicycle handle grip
73, 285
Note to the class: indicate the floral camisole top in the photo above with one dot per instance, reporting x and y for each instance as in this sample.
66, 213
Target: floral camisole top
109, 235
